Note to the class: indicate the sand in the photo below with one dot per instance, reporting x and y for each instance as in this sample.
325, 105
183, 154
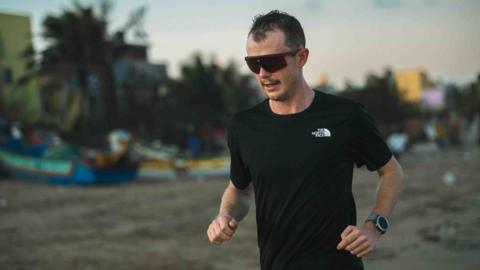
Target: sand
161, 225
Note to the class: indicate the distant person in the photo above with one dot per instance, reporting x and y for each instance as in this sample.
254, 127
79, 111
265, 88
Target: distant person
193, 143
397, 142
441, 132
294, 153
430, 131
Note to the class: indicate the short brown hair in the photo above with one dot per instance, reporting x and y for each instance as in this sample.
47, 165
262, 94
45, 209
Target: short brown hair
291, 27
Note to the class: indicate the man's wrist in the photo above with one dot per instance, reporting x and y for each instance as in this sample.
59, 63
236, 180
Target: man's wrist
225, 215
370, 225
379, 222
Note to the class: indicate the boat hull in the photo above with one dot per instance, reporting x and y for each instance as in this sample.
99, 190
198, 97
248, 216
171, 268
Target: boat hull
62, 171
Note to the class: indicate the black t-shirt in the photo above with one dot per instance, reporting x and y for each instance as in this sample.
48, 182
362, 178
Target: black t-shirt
301, 168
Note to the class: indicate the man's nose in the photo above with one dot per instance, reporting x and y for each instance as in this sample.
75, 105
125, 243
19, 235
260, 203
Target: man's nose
263, 73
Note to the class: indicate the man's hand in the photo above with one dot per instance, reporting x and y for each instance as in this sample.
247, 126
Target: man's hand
221, 229
360, 241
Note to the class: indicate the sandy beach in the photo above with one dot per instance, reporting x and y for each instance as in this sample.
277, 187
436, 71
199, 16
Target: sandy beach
161, 225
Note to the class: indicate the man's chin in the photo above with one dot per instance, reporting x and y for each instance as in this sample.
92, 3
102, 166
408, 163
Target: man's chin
276, 97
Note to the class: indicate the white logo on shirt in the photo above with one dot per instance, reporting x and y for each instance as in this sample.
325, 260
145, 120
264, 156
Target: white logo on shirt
322, 132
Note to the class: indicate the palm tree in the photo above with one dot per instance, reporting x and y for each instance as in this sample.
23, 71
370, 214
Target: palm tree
208, 94
79, 50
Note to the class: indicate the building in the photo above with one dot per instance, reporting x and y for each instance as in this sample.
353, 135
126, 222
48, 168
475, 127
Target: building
132, 88
140, 85
16, 67
433, 99
15, 38
411, 83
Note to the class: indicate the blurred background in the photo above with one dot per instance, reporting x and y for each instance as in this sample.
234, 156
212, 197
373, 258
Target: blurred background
113, 120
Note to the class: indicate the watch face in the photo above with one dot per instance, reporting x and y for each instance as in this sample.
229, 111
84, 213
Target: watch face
382, 222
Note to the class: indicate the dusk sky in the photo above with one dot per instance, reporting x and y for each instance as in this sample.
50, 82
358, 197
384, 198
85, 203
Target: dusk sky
347, 38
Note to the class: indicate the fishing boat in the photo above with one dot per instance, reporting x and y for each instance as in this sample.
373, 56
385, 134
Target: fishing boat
63, 171
63, 163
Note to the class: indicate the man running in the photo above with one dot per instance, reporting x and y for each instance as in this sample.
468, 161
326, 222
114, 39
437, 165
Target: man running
294, 154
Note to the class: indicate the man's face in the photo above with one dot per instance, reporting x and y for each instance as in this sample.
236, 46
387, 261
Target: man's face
277, 85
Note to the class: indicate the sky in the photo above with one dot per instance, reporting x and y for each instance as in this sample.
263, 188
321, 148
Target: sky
347, 39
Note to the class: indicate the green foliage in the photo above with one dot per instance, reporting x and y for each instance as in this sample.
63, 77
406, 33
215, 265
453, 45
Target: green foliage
20, 104
203, 99
464, 99
380, 97
135, 23
216, 92
76, 37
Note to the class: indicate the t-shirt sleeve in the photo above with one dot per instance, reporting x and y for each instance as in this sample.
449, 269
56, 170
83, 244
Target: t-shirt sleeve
367, 146
239, 173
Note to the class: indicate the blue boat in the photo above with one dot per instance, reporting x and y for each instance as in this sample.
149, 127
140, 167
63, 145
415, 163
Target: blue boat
62, 171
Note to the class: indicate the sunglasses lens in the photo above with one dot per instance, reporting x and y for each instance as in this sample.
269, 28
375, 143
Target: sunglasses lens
253, 64
272, 64
268, 63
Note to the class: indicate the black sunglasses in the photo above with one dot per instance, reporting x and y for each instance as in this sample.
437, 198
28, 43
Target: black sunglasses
270, 63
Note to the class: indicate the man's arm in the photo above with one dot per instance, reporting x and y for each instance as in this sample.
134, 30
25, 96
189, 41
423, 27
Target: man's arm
391, 181
233, 208
360, 240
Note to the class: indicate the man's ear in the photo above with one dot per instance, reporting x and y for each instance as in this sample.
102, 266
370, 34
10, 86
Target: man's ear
302, 57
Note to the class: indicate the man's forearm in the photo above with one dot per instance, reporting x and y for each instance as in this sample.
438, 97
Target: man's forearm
360, 241
390, 185
236, 202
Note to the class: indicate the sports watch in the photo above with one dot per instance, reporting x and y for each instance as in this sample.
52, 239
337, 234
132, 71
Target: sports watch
381, 222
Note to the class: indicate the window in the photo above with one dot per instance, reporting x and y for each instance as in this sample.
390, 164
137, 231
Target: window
7, 76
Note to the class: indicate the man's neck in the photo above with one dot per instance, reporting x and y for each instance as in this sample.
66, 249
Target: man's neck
300, 100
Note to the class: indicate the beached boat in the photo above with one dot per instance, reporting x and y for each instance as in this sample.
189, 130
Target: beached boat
63, 171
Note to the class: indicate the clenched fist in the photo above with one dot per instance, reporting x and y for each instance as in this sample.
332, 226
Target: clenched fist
221, 229
360, 241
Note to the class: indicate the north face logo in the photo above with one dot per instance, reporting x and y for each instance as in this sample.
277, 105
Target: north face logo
322, 132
